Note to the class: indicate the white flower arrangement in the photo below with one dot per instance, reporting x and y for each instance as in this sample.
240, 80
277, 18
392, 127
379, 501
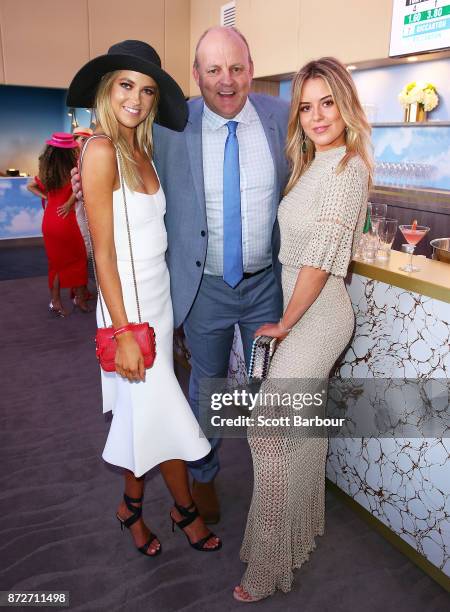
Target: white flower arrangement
419, 93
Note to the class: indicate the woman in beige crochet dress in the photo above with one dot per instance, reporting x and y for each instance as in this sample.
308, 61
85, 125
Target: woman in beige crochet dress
321, 219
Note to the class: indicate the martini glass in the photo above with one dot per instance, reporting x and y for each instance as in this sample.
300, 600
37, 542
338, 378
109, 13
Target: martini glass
413, 234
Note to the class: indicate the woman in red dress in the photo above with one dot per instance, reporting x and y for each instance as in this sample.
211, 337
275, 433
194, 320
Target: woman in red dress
64, 245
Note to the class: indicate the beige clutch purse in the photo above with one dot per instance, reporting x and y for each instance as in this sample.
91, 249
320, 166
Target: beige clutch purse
262, 351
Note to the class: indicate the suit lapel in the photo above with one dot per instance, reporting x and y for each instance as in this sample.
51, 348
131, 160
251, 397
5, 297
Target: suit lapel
193, 133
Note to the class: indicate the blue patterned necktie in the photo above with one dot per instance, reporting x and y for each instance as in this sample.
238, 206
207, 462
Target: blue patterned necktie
233, 269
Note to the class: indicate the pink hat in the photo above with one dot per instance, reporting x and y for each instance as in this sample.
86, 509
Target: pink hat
62, 140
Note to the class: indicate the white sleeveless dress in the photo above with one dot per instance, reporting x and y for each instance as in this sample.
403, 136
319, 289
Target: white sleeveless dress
152, 421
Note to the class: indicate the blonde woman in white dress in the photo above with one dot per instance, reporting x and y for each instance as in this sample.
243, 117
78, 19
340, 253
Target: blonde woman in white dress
321, 219
152, 422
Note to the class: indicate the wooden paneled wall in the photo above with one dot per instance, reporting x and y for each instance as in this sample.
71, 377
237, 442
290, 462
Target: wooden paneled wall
45, 42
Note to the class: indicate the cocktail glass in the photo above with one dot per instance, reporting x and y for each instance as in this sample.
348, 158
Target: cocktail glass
413, 234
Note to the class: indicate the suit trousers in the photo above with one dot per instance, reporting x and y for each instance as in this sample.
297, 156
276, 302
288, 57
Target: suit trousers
209, 329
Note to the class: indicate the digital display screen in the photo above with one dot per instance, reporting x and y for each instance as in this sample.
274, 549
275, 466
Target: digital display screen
419, 26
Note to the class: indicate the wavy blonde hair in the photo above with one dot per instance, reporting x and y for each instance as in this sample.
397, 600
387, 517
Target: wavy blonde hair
110, 126
300, 150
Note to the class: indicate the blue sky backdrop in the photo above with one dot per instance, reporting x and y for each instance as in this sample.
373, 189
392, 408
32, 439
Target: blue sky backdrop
20, 211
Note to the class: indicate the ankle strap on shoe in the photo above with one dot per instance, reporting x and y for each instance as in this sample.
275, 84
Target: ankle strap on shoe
132, 500
190, 515
136, 510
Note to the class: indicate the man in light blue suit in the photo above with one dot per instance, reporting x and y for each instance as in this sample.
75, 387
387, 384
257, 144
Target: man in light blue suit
223, 179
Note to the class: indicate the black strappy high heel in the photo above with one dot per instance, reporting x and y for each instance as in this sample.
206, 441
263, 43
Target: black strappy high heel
189, 517
137, 511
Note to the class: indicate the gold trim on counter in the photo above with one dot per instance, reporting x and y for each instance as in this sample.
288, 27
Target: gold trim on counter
433, 280
413, 555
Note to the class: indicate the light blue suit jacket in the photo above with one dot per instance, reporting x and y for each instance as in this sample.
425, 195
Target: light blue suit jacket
179, 162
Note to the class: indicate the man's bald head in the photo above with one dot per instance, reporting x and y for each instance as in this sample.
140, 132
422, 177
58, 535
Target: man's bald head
226, 31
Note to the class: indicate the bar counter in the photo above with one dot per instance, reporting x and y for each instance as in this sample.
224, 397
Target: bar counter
433, 280
402, 332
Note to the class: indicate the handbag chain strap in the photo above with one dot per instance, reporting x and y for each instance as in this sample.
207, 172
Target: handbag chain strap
122, 184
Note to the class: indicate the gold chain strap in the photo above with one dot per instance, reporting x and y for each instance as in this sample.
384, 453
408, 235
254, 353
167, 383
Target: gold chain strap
122, 184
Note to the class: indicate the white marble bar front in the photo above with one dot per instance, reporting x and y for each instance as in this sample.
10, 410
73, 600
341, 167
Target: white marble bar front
402, 331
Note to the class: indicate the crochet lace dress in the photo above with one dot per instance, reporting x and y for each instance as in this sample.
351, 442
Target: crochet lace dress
321, 221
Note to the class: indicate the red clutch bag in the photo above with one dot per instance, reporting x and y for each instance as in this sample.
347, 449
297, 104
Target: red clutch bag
106, 345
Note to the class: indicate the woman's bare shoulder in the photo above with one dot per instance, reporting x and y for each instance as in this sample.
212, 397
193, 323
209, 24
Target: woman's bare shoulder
100, 150
100, 155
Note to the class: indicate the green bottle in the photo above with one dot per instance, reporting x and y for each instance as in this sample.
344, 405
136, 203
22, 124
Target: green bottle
368, 222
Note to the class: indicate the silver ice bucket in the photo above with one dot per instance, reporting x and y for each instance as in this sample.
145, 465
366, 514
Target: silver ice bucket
441, 249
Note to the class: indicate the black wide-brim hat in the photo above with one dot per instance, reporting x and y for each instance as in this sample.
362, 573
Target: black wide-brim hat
140, 57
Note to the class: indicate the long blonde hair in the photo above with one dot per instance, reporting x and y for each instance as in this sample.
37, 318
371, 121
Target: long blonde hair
300, 150
110, 126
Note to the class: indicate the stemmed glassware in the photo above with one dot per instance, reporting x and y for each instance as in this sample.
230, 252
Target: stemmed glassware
405, 174
413, 234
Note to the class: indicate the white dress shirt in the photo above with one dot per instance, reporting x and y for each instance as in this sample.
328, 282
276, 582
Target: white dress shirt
257, 179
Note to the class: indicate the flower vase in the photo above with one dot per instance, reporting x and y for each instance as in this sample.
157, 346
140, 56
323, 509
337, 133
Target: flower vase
415, 113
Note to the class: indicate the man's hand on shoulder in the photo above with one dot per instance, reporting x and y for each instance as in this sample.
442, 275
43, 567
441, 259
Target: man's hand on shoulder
75, 180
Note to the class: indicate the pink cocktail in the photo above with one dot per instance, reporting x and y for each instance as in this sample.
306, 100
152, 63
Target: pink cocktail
413, 234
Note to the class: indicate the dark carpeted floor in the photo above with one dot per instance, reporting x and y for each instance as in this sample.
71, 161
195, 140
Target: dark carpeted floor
58, 499
22, 262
